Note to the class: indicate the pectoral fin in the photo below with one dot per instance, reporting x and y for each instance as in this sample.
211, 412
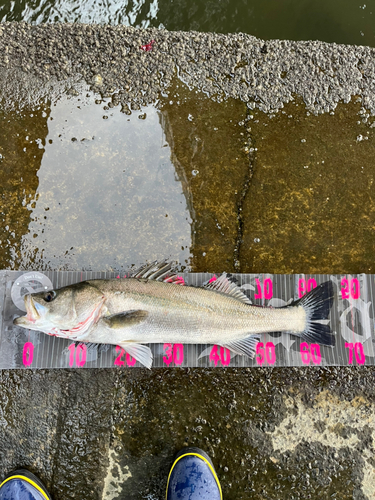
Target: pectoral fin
140, 352
125, 319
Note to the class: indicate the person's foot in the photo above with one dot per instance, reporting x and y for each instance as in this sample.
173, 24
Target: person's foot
23, 485
193, 477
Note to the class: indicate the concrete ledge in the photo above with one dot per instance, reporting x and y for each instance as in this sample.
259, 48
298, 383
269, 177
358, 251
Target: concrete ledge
45, 60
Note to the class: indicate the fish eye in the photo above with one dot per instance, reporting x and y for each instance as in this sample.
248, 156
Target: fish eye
49, 296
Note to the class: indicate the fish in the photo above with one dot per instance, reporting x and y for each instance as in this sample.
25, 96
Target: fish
152, 306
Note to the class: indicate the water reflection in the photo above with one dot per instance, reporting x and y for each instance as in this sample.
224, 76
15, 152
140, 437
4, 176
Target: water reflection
349, 22
108, 195
87, 186
134, 12
97, 187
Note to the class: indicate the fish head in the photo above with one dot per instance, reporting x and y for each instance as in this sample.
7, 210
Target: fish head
61, 309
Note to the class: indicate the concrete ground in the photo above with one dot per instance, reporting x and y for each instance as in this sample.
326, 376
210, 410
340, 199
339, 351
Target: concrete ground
108, 434
272, 434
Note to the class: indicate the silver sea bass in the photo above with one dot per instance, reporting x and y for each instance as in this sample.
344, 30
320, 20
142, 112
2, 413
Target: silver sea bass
146, 309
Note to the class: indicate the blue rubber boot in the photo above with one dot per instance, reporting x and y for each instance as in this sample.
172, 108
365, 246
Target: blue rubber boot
193, 477
23, 485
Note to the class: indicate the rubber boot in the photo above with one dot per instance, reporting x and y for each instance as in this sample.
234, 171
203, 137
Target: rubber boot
193, 477
23, 485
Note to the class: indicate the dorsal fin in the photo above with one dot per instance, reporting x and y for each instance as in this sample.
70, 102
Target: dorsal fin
159, 271
227, 284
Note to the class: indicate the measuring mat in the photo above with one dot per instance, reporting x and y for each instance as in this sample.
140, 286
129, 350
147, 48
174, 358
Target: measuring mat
351, 321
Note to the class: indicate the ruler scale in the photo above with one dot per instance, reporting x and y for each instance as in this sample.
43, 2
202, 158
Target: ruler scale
351, 320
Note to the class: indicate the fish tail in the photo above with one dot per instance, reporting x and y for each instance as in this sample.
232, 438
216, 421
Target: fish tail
317, 305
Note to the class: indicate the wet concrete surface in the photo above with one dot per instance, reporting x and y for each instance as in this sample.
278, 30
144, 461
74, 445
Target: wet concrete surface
310, 205
48, 416
282, 433
211, 159
18, 184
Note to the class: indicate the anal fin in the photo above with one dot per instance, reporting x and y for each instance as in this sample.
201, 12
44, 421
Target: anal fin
244, 347
140, 352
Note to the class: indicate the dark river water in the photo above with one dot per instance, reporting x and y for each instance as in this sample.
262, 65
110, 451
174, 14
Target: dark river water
344, 21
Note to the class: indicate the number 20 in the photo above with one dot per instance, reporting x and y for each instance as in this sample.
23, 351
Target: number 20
350, 288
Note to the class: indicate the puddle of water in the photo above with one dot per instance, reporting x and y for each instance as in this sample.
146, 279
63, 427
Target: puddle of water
310, 207
106, 193
91, 187
87, 186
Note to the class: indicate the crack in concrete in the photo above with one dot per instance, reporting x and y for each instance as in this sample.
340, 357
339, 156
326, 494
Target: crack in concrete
250, 150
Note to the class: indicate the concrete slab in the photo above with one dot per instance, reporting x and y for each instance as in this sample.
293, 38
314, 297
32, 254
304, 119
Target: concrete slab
108, 434
310, 203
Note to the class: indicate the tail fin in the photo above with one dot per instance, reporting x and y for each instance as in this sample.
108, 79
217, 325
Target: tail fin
317, 305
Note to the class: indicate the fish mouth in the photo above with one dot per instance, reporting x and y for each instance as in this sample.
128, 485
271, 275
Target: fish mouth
32, 314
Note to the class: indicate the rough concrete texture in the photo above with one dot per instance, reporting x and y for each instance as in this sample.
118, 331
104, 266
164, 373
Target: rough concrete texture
312, 189
58, 424
264, 74
111, 434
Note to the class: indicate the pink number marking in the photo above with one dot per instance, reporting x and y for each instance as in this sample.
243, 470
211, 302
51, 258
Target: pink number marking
71, 355
305, 354
267, 289
350, 345
129, 360
260, 353
267, 354
214, 355
358, 351
310, 353
223, 357
178, 354
80, 354
316, 357
175, 353
270, 353
28, 353
259, 286
168, 351
304, 287
344, 288
351, 288
301, 287
354, 288
118, 360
